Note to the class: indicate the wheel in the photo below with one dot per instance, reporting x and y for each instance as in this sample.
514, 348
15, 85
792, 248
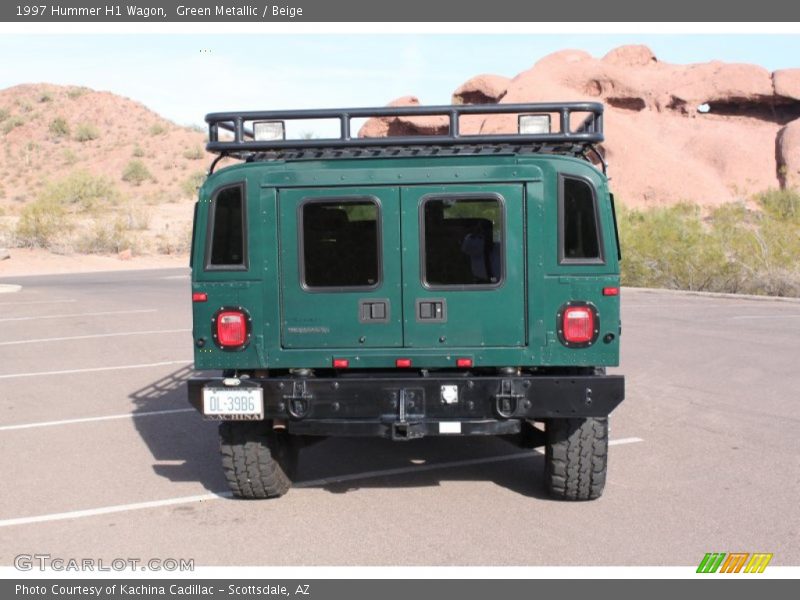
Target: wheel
576, 458
258, 462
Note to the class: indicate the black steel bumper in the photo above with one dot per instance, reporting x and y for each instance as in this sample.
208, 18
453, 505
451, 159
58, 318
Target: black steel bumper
416, 406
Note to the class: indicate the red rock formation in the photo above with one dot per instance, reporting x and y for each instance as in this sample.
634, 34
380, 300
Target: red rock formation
482, 89
661, 149
787, 83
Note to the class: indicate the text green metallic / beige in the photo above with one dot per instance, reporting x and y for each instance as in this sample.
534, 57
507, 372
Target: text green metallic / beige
407, 286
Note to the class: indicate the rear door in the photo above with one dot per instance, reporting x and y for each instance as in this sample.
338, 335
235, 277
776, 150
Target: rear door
463, 266
340, 267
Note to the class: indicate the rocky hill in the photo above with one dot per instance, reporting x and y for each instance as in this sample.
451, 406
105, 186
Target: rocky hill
75, 138
661, 146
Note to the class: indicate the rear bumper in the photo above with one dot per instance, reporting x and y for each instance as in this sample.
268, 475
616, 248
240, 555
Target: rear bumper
414, 406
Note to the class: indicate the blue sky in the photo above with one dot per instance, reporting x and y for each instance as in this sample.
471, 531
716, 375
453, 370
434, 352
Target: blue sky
183, 77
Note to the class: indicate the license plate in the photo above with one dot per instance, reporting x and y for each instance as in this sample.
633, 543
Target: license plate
235, 404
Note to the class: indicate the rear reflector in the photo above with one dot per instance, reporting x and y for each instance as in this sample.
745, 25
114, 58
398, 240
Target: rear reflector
231, 329
199, 297
611, 291
402, 363
578, 324
340, 363
463, 363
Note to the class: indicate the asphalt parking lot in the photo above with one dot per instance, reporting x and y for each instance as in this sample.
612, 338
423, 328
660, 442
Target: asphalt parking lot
103, 458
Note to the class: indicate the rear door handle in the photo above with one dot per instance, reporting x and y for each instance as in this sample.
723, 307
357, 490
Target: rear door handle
431, 310
373, 310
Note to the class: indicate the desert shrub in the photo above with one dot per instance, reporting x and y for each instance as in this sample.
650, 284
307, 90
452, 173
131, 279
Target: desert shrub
734, 249
176, 242
135, 217
137, 151
59, 127
76, 92
194, 153
762, 246
783, 205
670, 247
106, 236
45, 97
157, 129
191, 184
42, 224
12, 123
69, 157
82, 192
86, 132
6, 235
136, 172
4, 114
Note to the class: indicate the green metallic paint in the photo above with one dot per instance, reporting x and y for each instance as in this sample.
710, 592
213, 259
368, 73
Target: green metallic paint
514, 325
478, 317
317, 318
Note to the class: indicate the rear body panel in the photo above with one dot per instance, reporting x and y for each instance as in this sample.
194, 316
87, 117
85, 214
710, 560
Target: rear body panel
510, 324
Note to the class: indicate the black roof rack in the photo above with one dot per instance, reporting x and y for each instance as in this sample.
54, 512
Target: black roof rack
569, 138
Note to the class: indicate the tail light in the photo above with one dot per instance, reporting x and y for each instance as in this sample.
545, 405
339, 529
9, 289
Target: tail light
578, 324
231, 328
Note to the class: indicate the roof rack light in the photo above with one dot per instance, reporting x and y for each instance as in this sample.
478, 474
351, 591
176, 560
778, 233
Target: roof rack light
265, 131
534, 124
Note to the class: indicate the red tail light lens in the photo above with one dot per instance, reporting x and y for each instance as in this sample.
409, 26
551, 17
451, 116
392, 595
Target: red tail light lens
463, 363
611, 291
231, 328
402, 363
578, 324
340, 363
199, 297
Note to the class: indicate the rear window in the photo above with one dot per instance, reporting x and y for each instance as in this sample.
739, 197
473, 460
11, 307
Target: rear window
340, 243
580, 234
227, 237
462, 241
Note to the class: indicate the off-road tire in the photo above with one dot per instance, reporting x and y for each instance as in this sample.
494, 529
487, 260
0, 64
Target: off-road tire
258, 462
576, 458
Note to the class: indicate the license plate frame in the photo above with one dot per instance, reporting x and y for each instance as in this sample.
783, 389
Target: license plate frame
233, 403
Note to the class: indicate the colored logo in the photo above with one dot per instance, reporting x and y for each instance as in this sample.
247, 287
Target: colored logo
734, 562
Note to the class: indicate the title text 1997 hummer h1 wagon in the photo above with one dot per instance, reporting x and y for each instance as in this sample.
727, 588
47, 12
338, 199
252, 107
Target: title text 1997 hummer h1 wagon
410, 286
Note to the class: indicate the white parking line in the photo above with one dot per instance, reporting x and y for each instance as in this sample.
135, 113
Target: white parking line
77, 514
27, 302
746, 317
95, 369
95, 314
95, 419
89, 337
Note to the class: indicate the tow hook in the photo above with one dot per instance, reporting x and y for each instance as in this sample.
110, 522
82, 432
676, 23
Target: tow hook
407, 431
299, 401
506, 401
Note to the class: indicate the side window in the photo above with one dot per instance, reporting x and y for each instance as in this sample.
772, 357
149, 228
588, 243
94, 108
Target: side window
462, 241
227, 249
340, 243
580, 233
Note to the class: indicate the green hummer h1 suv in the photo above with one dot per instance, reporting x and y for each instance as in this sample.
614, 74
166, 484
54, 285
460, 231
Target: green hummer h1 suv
408, 286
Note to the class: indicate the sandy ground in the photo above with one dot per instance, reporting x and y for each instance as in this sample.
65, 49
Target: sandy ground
39, 262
